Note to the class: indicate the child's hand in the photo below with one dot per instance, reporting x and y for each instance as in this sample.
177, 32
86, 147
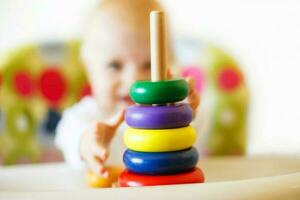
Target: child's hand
94, 145
193, 96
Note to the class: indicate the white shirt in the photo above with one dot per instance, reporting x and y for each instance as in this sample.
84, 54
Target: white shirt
75, 121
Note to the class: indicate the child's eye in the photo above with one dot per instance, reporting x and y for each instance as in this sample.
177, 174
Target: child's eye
147, 65
115, 65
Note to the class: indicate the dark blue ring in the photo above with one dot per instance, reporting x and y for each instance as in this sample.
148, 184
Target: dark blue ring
160, 163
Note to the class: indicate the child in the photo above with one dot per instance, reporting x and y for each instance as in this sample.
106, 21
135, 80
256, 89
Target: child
116, 53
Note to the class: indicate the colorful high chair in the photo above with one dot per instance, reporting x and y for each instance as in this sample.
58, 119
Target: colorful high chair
37, 84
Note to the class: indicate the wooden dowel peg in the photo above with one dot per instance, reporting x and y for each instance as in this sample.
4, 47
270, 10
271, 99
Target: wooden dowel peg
157, 37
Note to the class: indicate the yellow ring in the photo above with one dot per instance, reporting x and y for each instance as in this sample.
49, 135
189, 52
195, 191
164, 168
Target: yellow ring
159, 140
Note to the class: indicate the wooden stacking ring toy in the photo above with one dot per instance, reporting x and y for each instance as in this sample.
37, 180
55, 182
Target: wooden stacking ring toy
159, 117
159, 140
129, 179
159, 92
161, 163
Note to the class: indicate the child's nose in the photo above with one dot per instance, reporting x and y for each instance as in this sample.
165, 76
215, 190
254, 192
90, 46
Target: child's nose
129, 76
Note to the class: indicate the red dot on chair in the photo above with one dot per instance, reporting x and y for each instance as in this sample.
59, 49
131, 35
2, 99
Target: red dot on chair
52, 85
85, 91
23, 84
229, 79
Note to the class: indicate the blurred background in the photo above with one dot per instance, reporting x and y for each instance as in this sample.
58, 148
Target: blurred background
250, 48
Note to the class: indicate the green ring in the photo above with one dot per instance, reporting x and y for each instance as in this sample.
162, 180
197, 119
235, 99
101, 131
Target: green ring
159, 92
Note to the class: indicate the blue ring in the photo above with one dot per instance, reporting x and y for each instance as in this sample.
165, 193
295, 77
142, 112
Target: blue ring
160, 163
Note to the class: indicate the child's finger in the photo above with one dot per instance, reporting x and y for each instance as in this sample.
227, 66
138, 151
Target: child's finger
193, 96
99, 160
169, 74
101, 150
120, 119
191, 84
104, 172
96, 165
105, 154
194, 100
102, 154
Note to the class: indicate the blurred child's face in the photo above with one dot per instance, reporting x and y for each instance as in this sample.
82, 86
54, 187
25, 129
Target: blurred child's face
118, 57
116, 50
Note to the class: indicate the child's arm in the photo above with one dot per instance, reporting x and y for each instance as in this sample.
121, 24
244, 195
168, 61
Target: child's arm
94, 145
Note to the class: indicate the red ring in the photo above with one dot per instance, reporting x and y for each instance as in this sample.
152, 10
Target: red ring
129, 179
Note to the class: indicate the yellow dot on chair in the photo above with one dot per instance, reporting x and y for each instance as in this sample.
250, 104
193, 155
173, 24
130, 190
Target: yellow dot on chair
160, 140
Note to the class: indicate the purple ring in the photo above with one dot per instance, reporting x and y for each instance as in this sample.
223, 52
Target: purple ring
159, 117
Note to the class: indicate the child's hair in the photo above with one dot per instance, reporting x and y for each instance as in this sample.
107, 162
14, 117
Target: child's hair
132, 13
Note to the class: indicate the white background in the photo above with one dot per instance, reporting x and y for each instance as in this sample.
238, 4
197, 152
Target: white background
263, 34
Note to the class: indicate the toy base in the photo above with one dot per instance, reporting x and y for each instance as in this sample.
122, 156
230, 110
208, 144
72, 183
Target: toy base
129, 179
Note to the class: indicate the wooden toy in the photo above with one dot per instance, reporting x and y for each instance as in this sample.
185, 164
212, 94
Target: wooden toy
159, 140
159, 153
159, 117
161, 163
130, 179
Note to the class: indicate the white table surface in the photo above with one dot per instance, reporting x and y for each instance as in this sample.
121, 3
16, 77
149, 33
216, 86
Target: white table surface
232, 178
